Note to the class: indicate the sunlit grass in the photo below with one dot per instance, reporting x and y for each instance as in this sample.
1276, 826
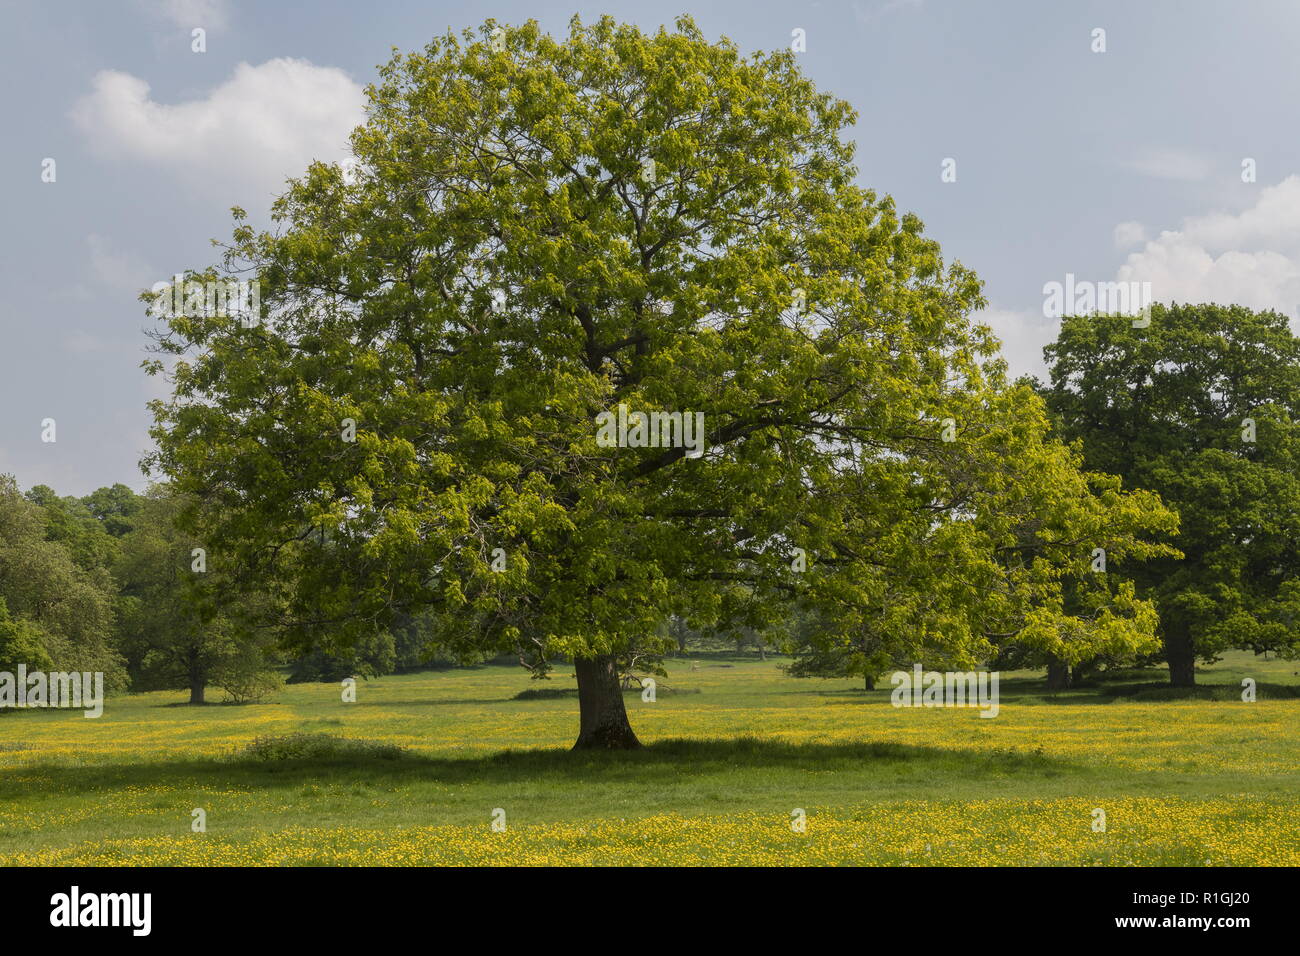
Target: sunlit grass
730, 755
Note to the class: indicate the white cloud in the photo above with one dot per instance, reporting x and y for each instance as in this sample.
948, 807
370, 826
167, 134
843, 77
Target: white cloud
1129, 234
1250, 258
187, 14
1172, 164
1023, 335
262, 125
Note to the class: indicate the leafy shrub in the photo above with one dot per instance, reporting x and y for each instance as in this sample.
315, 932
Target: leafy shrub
248, 685
317, 747
546, 693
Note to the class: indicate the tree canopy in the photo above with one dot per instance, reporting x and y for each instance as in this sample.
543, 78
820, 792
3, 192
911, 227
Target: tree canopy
58, 602
1201, 406
536, 231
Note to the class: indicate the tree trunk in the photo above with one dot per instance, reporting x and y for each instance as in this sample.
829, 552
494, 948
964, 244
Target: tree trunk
1180, 652
603, 723
869, 682
197, 675
1058, 674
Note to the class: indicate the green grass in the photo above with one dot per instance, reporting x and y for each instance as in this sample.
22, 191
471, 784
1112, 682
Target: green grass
413, 770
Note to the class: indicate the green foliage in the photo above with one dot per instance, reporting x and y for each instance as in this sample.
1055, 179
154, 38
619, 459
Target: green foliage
54, 598
1169, 407
409, 644
71, 522
115, 508
367, 657
821, 648
245, 676
539, 230
21, 642
180, 627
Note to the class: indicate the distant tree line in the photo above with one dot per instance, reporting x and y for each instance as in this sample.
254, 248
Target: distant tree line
107, 583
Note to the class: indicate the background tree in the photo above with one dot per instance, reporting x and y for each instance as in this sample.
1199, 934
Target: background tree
21, 642
820, 650
54, 594
70, 522
177, 628
114, 507
367, 657
537, 231
1200, 406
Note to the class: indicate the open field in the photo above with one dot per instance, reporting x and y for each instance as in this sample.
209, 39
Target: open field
732, 749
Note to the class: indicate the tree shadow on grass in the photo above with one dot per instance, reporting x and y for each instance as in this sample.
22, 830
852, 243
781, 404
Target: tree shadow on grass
1224, 692
1124, 685
1145, 692
677, 757
214, 703
1012, 691
432, 702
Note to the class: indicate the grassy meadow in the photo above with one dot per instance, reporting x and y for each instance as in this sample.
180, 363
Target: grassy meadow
734, 747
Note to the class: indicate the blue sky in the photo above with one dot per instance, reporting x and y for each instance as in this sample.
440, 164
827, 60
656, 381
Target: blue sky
1122, 164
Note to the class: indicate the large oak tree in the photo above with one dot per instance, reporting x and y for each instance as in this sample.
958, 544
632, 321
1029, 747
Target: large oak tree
536, 231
